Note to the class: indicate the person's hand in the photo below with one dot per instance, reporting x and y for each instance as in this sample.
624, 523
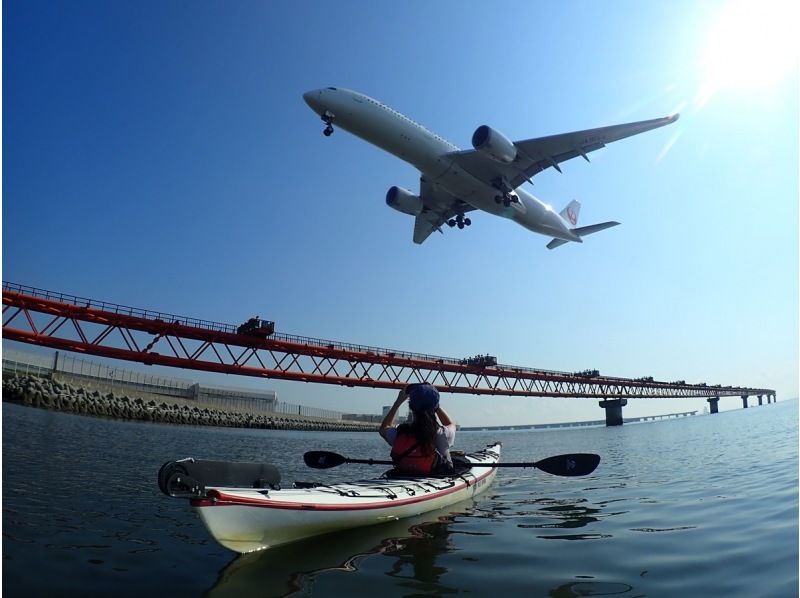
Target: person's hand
401, 396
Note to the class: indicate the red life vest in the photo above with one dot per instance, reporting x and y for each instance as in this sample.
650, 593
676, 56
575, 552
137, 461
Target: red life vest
408, 458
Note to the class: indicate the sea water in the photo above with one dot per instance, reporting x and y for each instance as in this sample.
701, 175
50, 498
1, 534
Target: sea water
700, 506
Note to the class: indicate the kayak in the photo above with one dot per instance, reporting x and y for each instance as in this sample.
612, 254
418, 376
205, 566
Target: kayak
245, 509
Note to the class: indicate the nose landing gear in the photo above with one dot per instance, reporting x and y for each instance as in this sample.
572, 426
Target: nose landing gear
327, 118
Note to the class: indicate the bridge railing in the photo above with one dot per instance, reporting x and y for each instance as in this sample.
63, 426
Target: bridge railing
231, 329
117, 308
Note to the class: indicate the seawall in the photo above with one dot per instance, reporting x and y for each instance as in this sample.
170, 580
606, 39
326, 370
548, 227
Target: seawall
46, 393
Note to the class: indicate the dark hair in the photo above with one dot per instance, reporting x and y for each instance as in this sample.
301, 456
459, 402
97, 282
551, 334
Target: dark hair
424, 427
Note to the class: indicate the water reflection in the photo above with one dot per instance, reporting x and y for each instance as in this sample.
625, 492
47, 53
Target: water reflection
416, 542
567, 514
550, 513
589, 588
416, 558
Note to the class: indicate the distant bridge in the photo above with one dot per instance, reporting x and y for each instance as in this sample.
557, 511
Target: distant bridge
583, 424
82, 325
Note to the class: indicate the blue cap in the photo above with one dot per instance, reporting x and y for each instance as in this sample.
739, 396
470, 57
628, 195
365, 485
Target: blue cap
423, 397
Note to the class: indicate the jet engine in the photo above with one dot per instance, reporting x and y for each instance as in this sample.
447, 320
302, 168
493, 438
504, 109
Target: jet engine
404, 201
496, 145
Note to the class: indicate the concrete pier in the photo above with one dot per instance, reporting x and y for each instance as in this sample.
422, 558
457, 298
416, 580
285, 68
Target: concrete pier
713, 404
760, 401
744, 402
613, 409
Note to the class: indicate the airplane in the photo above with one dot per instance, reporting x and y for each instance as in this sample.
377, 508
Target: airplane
454, 182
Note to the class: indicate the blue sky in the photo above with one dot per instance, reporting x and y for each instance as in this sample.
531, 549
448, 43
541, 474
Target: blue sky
159, 154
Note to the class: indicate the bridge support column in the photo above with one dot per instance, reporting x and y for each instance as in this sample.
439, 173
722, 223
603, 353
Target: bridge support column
713, 404
760, 402
744, 402
613, 409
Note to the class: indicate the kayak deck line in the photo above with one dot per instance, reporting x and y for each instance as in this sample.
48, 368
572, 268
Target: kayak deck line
221, 498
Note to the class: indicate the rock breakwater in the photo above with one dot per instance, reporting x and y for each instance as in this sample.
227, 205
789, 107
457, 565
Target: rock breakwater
46, 393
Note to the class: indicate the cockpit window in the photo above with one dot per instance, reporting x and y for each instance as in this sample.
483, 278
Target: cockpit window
332, 88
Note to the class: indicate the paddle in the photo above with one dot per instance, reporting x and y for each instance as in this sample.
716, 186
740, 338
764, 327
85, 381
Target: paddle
576, 464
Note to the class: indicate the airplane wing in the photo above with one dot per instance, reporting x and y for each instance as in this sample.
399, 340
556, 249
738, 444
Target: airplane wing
440, 206
535, 155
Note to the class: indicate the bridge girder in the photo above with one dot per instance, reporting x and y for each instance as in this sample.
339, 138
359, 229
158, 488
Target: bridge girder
108, 330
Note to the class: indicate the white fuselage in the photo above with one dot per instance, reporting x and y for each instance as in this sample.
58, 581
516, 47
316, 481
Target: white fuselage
386, 128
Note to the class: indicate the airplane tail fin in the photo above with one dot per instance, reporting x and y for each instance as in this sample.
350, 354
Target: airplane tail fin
570, 213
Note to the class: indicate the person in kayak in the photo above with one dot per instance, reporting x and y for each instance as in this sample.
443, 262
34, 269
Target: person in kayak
423, 446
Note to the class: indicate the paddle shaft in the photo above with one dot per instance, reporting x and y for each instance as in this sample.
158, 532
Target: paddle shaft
578, 464
377, 462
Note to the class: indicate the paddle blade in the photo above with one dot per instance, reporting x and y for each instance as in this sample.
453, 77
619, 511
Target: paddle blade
570, 465
323, 459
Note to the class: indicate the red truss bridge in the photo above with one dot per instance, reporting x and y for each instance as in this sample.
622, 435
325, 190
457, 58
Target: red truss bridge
71, 323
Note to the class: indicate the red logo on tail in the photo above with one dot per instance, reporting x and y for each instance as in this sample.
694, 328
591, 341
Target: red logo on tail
572, 217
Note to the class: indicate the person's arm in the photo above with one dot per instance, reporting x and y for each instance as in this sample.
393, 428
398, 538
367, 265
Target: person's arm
443, 417
446, 435
388, 421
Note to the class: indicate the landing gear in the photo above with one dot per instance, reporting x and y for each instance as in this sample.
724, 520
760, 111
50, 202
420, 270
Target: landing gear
459, 221
327, 118
507, 196
506, 199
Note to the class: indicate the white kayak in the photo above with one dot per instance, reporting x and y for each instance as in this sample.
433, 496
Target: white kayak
264, 515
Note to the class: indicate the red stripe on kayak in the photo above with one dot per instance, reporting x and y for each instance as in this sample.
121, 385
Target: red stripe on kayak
220, 499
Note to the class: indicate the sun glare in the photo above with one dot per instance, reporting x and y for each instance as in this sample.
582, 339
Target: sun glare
752, 45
